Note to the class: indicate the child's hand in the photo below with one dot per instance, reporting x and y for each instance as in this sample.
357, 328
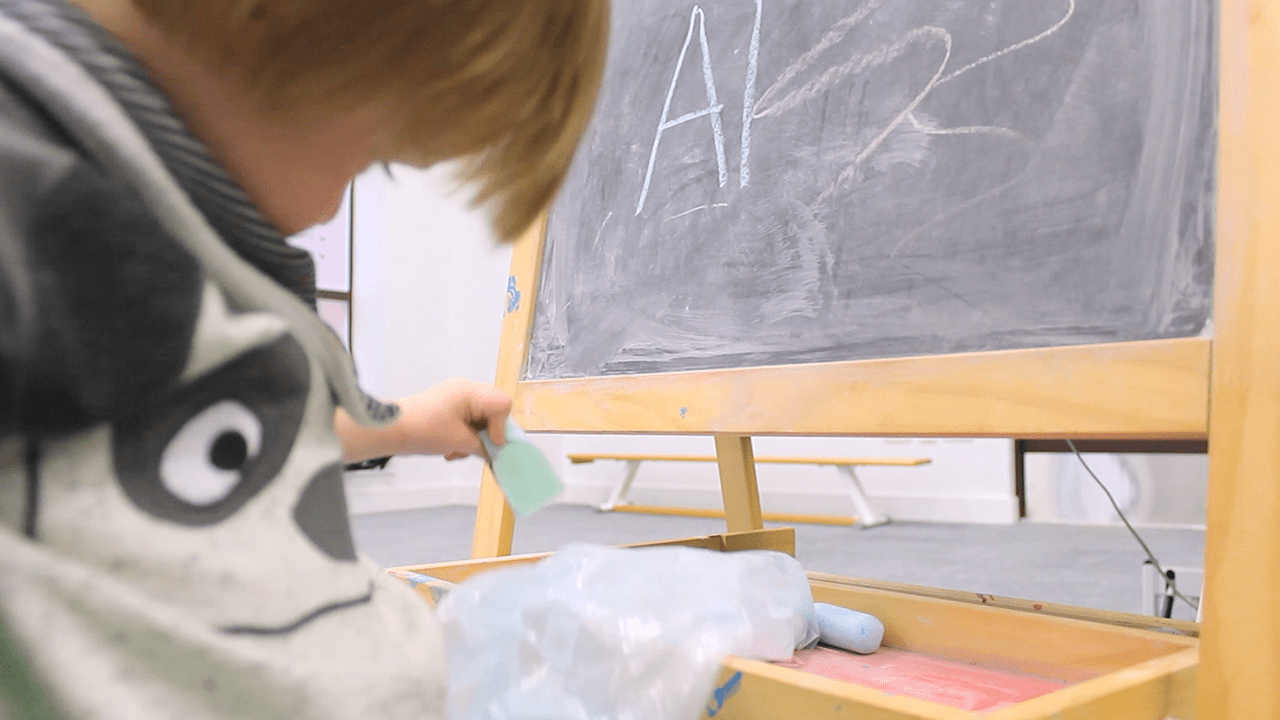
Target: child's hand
447, 419
443, 420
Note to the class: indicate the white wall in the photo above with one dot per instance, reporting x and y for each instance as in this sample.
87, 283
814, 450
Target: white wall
966, 480
428, 299
1151, 489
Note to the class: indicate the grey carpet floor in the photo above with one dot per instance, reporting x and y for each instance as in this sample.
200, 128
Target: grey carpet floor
1088, 566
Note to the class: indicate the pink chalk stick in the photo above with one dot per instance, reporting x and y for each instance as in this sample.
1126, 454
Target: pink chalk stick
946, 682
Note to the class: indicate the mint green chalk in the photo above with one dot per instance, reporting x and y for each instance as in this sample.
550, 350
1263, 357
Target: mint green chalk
522, 471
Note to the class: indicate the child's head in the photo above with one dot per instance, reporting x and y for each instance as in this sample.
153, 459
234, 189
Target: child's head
505, 85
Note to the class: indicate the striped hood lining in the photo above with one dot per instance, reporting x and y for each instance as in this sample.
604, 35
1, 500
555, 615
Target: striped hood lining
93, 116
219, 198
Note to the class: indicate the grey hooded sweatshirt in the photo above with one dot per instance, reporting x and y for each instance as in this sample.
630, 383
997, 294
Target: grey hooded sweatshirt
173, 535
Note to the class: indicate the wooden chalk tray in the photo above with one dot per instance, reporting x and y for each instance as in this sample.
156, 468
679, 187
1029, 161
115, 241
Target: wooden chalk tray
1085, 663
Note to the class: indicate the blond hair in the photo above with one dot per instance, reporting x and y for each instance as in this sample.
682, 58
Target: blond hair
506, 86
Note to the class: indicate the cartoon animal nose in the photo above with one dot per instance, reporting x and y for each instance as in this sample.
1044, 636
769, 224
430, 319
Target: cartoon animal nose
321, 513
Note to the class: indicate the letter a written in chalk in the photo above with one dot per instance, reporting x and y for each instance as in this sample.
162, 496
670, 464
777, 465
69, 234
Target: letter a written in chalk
711, 111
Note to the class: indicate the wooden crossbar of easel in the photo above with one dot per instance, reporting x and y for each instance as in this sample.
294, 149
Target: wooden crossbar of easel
864, 514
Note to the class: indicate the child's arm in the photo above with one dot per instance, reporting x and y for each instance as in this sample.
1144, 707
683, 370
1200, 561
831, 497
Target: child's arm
443, 420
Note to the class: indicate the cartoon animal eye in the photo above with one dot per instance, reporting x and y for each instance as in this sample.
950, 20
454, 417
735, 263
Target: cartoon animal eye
194, 455
206, 458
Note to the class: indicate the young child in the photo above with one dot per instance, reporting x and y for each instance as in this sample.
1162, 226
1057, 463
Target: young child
173, 535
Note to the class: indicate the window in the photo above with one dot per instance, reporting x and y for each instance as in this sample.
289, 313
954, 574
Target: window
330, 245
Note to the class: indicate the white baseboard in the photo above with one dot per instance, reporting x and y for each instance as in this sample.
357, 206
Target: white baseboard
373, 491
975, 509
979, 509
468, 494
585, 494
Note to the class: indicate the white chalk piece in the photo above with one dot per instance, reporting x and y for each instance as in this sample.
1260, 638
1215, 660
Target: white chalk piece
848, 629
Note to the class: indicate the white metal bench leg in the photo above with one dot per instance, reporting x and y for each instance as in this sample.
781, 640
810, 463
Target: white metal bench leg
619, 495
867, 517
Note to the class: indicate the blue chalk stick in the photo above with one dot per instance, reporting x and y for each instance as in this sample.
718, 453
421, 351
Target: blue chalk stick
848, 629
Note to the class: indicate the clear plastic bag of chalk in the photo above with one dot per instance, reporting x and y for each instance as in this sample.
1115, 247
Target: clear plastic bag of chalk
594, 633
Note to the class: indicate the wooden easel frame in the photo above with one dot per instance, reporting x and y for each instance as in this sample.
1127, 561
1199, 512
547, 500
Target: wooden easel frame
1226, 389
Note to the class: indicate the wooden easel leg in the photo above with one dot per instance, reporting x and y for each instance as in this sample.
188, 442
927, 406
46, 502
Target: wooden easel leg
1240, 636
495, 521
866, 515
1240, 639
738, 483
619, 495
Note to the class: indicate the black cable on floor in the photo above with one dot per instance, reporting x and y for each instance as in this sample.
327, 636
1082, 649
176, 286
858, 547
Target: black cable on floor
1170, 581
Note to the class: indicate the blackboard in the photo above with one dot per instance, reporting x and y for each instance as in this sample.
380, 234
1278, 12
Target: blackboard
785, 182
